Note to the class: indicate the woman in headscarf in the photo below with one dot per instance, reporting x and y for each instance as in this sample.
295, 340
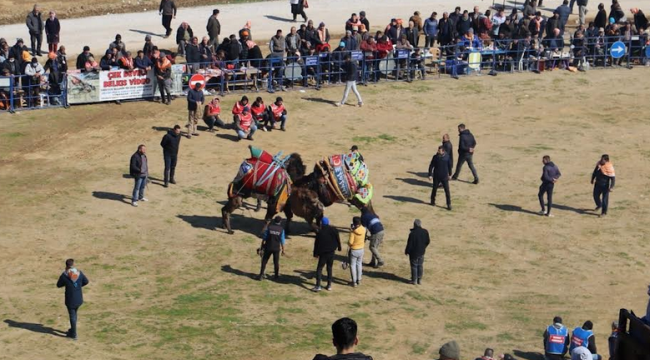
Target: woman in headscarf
52, 30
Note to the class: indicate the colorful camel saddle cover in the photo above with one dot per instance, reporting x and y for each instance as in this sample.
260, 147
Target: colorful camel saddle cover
347, 177
262, 174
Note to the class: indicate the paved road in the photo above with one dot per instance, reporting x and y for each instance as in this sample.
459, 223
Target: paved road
98, 31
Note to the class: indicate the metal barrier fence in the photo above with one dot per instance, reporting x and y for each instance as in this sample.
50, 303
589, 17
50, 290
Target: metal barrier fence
24, 92
461, 58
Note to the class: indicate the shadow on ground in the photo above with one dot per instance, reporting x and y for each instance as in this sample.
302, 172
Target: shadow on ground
33, 327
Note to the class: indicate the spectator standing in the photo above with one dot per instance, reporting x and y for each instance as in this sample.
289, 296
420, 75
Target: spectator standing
356, 244
603, 178
322, 38
430, 30
184, 35
52, 31
193, 55
364, 20
440, 172
148, 47
35, 27
73, 280
612, 341
277, 45
298, 8
351, 74
584, 337
564, 11
55, 78
345, 339
168, 10
556, 340
171, 143
446, 30
466, 145
163, 72
293, 42
139, 170
449, 148
412, 34
195, 100
214, 29
550, 175
416, 246
601, 17
273, 242
449, 351
373, 225
326, 244
582, 11
616, 12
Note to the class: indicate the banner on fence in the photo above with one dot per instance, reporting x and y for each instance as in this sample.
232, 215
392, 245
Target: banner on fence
112, 85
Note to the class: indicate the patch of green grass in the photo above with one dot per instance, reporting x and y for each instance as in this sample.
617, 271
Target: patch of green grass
464, 325
418, 348
387, 137
12, 135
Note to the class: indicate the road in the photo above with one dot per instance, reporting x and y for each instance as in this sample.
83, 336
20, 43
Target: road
98, 31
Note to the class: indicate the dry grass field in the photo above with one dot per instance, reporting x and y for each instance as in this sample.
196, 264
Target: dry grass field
164, 284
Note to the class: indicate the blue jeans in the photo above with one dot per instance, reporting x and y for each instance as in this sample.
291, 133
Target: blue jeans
138, 188
72, 311
283, 120
242, 134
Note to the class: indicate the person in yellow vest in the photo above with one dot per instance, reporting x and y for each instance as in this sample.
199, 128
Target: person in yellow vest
356, 244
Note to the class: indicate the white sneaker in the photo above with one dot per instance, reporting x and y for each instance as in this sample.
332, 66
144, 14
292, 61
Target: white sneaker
143, 199
135, 204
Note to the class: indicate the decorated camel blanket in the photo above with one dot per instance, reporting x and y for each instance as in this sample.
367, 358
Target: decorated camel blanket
347, 177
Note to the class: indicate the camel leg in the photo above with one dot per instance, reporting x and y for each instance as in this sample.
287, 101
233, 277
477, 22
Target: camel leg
270, 213
232, 205
289, 214
259, 205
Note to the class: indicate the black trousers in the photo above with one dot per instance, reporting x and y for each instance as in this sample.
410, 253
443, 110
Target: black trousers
546, 188
554, 357
167, 24
37, 41
324, 259
417, 268
462, 158
301, 13
601, 197
445, 185
276, 261
164, 88
72, 312
170, 166
429, 41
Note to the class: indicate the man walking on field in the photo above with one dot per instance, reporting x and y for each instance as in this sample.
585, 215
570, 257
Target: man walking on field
603, 179
167, 9
351, 73
73, 280
466, 145
550, 175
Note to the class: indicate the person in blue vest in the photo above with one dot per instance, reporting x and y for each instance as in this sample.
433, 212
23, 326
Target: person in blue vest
556, 340
73, 280
272, 244
584, 336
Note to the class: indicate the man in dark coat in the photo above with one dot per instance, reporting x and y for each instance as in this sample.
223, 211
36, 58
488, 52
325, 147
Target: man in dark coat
449, 148
439, 172
327, 242
170, 144
466, 145
214, 29
550, 175
603, 179
345, 339
73, 280
168, 10
272, 244
416, 246
139, 170
35, 26
298, 8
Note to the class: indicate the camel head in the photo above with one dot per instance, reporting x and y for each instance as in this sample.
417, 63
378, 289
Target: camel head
295, 167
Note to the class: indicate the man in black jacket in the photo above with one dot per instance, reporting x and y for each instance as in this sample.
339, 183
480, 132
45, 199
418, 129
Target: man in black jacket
170, 144
351, 73
466, 145
416, 246
603, 179
550, 175
139, 170
73, 280
35, 26
345, 339
272, 244
167, 9
439, 170
327, 242
449, 148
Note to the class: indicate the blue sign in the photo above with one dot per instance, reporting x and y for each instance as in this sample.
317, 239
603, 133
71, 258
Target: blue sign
356, 55
311, 60
617, 50
323, 54
403, 53
647, 52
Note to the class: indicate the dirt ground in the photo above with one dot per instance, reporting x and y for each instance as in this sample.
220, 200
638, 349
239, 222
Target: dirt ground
14, 11
164, 284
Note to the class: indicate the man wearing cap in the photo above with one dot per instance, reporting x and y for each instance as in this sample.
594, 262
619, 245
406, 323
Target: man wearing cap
416, 246
449, 351
214, 30
556, 340
345, 339
584, 337
167, 9
327, 242
195, 100
35, 26
272, 244
73, 280
439, 173
163, 72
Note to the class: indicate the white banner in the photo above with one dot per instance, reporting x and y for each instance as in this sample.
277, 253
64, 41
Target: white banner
123, 84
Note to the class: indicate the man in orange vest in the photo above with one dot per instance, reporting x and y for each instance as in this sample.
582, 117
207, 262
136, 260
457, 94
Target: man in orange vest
277, 112
244, 124
126, 62
163, 72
